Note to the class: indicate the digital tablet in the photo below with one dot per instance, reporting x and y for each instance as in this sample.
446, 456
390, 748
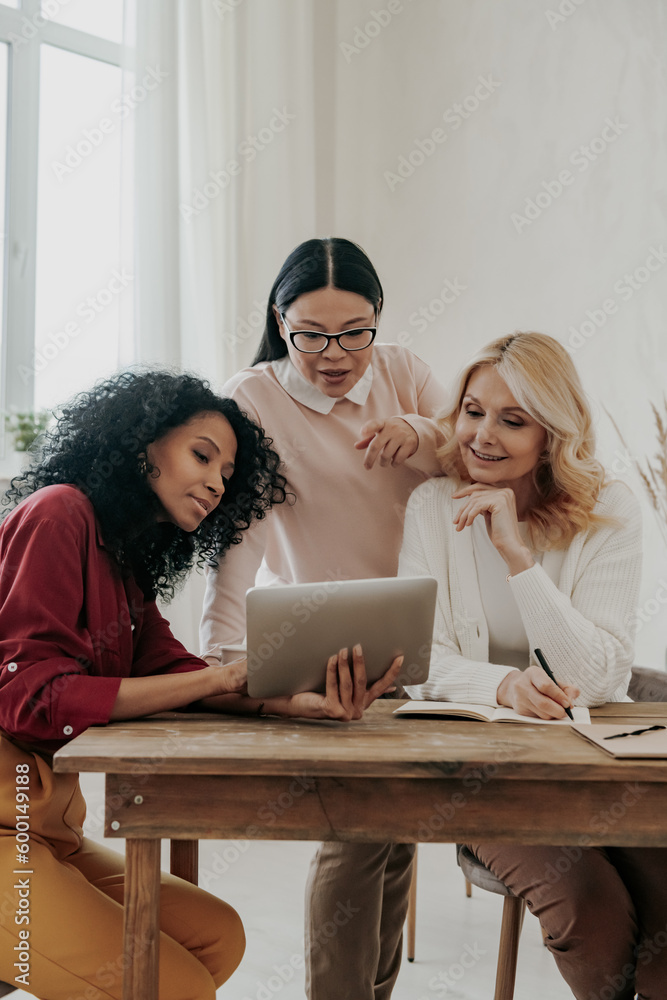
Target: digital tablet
293, 630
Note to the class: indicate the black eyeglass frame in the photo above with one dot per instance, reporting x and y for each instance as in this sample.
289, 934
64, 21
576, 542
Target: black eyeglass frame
330, 336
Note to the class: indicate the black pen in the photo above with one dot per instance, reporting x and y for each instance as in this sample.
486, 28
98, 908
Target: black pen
547, 669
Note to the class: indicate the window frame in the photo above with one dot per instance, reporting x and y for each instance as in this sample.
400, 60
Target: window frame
25, 30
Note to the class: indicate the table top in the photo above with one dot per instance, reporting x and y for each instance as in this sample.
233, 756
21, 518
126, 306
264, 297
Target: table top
379, 745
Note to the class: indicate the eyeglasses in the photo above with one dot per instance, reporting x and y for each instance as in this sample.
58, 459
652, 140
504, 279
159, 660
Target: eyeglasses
312, 342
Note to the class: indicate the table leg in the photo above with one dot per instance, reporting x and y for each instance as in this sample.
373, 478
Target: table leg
412, 910
185, 860
141, 921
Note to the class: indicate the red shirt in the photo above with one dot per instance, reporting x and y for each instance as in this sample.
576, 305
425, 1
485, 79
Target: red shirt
71, 627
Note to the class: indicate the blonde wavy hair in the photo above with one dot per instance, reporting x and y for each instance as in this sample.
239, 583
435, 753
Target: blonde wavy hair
540, 374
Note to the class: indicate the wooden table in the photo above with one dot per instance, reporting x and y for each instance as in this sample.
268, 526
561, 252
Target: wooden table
381, 779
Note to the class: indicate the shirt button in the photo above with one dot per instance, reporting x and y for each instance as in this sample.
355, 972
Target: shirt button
68, 730
12, 666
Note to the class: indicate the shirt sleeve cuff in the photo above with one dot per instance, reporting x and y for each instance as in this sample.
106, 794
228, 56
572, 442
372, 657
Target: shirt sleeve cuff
89, 702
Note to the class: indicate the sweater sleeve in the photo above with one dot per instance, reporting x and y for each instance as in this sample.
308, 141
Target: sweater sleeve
223, 619
452, 677
223, 613
587, 637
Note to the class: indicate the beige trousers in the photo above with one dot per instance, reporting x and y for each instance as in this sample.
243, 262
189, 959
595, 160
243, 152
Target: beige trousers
356, 903
61, 914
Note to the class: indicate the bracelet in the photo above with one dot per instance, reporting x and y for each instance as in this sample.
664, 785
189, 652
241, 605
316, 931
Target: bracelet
260, 713
508, 578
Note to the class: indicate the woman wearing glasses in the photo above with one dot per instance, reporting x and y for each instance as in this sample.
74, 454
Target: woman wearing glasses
350, 419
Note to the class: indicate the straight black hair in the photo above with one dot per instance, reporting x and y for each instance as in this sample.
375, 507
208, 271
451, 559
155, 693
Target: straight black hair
319, 263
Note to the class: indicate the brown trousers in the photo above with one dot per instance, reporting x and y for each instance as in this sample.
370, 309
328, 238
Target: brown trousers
604, 910
356, 902
61, 914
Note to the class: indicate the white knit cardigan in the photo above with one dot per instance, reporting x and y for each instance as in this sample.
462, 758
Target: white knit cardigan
583, 624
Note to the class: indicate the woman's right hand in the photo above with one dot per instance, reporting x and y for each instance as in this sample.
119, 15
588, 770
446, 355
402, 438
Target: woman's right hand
231, 678
347, 693
532, 692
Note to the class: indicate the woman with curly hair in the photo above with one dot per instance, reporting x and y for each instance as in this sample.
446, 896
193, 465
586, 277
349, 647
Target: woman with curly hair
142, 477
533, 547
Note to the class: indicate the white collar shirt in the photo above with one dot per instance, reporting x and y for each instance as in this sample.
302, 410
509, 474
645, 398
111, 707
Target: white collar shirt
304, 392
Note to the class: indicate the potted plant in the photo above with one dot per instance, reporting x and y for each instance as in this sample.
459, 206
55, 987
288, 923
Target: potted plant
25, 427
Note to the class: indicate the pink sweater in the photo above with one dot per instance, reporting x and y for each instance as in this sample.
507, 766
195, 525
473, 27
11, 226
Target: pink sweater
347, 521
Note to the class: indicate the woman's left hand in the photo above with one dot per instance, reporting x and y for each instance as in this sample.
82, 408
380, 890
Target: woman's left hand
389, 441
347, 693
498, 507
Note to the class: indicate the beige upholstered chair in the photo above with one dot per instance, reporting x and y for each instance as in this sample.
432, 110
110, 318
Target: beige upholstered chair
513, 912
645, 685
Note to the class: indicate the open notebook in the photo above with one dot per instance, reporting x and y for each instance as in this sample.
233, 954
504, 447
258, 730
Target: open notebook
484, 713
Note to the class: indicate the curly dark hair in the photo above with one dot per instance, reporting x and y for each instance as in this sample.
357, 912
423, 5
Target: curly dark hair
99, 445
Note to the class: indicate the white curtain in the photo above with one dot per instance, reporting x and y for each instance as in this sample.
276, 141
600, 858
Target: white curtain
223, 153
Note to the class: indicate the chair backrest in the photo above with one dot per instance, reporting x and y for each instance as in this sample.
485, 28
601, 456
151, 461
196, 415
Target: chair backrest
648, 685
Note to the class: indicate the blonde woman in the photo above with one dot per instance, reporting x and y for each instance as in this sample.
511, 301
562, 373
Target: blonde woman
533, 547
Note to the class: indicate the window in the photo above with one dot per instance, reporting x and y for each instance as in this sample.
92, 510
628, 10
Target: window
105, 20
78, 279
60, 167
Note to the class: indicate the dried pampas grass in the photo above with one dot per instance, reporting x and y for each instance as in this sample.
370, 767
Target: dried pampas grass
653, 471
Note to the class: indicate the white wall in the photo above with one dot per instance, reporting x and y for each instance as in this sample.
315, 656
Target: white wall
554, 82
